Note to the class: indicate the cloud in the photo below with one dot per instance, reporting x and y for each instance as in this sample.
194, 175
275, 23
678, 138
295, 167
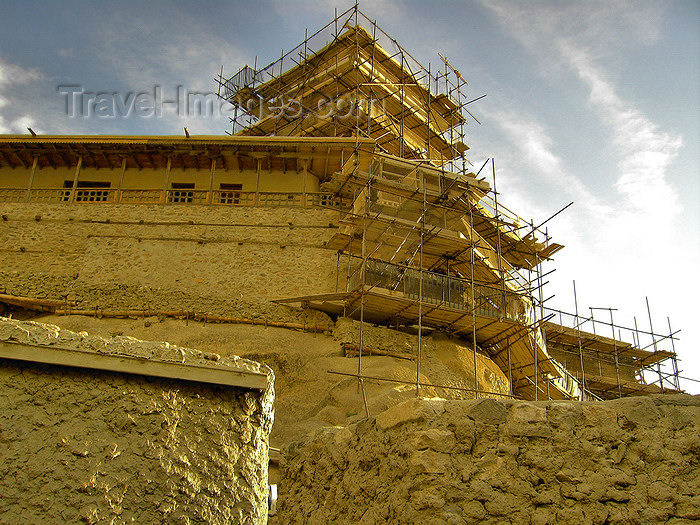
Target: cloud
13, 78
569, 36
172, 51
13, 74
645, 152
575, 36
536, 147
631, 245
598, 26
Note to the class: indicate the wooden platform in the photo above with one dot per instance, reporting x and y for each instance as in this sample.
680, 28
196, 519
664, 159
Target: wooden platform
493, 335
564, 335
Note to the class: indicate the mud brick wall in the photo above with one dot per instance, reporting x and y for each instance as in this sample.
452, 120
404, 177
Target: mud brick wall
88, 446
226, 252
633, 460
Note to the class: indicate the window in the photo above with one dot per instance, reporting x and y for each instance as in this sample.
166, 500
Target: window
180, 193
230, 193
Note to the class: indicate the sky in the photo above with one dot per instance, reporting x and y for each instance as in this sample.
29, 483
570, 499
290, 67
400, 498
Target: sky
591, 102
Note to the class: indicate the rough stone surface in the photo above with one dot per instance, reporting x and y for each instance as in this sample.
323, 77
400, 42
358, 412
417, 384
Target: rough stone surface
218, 252
307, 397
633, 460
83, 446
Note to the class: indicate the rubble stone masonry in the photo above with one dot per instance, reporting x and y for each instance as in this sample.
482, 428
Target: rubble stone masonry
431, 461
213, 251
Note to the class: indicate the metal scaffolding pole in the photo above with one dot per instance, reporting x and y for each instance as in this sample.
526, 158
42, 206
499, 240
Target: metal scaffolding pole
420, 290
473, 305
674, 358
617, 360
580, 348
653, 338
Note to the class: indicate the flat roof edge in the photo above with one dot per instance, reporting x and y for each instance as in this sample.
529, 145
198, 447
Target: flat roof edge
53, 355
178, 139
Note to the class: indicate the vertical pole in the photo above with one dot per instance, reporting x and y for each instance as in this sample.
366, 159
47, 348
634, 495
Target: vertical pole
674, 359
653, 340
121, 181
303, 189
337, 272
473, 262
75, 179
257, 186
352, 236
370, 97
498, 238
617, 361
210, 193
427, 116
540, 285
31, 178
420, 289
166, 182
337, 90
401, 140
533, 331
363, 275
357, 82
449, 283
580, 348
639, 345
510, 368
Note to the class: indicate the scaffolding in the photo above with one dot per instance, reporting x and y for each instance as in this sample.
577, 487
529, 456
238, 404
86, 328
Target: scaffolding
425, 241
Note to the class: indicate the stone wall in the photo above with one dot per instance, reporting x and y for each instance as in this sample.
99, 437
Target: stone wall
225, 252
88, 446
633, 460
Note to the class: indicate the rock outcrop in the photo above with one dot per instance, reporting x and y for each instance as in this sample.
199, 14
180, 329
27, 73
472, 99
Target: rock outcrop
632, 460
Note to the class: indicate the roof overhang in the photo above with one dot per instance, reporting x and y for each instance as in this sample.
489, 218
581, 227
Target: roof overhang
321, 156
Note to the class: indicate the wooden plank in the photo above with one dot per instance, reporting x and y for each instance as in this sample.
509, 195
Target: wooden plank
319, 297
29, 303
237, 377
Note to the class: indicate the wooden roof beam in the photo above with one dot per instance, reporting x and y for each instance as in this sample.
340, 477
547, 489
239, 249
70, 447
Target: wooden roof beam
7, 160
21, 161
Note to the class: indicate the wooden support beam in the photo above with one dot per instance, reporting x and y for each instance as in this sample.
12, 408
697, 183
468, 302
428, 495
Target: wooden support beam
75, 179
31, 179
49, 161
121, 181
210, 195
7, 159
257, 187
303, 201
21, 161
166, 182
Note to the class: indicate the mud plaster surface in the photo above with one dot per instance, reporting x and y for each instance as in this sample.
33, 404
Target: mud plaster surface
307, 397
98, 447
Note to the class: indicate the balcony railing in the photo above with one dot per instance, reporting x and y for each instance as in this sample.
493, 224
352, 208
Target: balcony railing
175, 197
12, 195
440, 289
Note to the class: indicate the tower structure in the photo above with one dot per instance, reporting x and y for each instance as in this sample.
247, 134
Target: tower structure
343, 187
423, 240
